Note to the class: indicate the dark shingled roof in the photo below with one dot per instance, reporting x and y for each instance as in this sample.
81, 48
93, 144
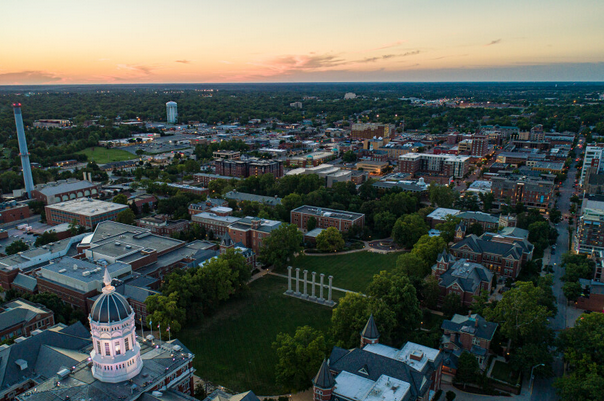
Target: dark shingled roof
474, 324
111, 307
324, 378
370, 331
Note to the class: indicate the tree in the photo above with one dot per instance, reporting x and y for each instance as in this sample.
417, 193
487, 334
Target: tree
412, 265
349, 157
283, 243
428, 248
447, 228
165, 312
140, 152
452, 305
555, 216
572, 290
400, 296
126, 217
450, 395
442, 195
487, 201
468, 370
519, 314
408, 230
384, 222
431, 292
311, 223
351, 314
476, 229
46, 238
121, 199
299, 357
16, 246
330, 240
583, 347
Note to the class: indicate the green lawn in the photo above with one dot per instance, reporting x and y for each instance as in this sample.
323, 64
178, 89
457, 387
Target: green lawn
502, 371
234, 347
102, 155
352, 271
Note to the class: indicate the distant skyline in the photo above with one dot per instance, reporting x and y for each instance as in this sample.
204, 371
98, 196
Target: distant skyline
199, 41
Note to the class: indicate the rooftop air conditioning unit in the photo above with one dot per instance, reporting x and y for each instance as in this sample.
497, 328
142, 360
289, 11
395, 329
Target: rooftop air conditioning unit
62, 270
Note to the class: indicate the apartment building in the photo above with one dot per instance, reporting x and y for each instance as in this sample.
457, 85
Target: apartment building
325, 218
431, 164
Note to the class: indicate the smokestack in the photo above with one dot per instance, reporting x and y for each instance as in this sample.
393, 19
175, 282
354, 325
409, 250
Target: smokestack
90, 177
25, 165
84, 174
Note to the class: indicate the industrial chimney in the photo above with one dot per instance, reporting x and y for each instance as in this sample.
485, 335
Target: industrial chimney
29, 181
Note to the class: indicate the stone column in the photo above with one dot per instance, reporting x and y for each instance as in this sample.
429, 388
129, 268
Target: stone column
297, 281
329, 293
314, 274
322, 276
289, 280
305, 295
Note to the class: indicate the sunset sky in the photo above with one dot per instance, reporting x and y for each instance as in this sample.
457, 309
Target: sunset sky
69, 41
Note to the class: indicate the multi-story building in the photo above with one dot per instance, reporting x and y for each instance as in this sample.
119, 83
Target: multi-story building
19, 318
310, 159
477, 146
75, 280
110, 362
370, 130
325, 218
590, 227
379, 372
201, 191
592, 152
12, 211
249, 167
461, 277
466, 333
532, 192
205, 178
56, 192
431, 164
486, 221
86, 212
227, 154
207, 205
250, 231
161, 225
214, 222
502, 254
243, 196
51, 123
372, 167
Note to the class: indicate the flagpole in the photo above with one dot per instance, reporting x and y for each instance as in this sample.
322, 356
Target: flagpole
142, 329
169, 334
159, 332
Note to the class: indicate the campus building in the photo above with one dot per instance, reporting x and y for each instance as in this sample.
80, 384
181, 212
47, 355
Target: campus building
19, 318
12, 211
86, 212
250, 231
56, 192
325, 218
248, 167
370, 130
590, 226
532, 192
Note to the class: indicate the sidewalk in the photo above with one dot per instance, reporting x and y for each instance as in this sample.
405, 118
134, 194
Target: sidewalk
525, 395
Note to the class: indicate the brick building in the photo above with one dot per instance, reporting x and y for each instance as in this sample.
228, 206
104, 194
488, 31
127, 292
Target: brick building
205, 178
214, 222
12, 211
250, 231
470, 333
590, 226
325, 218
161, 225
56, 192
19, 317
504, 255
461, 277
249, 167
86, 212
431, 164
532, 192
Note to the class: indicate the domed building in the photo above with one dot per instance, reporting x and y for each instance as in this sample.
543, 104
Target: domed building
116, 355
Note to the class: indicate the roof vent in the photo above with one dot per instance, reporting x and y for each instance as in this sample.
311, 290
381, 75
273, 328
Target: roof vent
75, 266
19, 339
22, 363
36, 332
62, 270
63, 373
416, 355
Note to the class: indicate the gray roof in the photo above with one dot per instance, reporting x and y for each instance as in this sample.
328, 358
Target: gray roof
27, 282
474, 324
467, 275
487, 243
219, 395
478, 216
45, 352
370, 331
242, 196
52, 190
324, 379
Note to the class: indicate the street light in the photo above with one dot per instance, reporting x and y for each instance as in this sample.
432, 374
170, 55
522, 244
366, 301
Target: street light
533, 377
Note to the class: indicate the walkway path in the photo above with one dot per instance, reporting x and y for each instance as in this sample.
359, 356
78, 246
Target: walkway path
364, 248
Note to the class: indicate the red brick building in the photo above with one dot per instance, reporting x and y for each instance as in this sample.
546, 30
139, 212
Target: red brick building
19, 317
12, 211
161, 225
250, 231
461, 277
52, 193
249, 167
326, 218
533, 192
86, 212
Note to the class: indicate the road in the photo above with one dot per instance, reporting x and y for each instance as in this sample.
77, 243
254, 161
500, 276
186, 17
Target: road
566, 317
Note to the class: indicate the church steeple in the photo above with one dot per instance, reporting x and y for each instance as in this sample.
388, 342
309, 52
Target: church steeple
370, 334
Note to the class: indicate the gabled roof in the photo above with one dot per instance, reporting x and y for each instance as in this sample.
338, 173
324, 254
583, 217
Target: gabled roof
324, 379
226, 240
474, 325
478, 216
370, 331
493, 244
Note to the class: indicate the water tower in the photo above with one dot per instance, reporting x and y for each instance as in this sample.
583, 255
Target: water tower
172, 112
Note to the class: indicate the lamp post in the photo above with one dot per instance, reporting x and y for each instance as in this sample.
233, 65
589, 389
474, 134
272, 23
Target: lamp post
532, 376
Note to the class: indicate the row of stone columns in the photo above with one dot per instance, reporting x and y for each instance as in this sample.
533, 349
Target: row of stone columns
305, 294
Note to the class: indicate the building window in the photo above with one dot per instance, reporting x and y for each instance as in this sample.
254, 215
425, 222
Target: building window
98, 347
127, 344
117, 348
107, 352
